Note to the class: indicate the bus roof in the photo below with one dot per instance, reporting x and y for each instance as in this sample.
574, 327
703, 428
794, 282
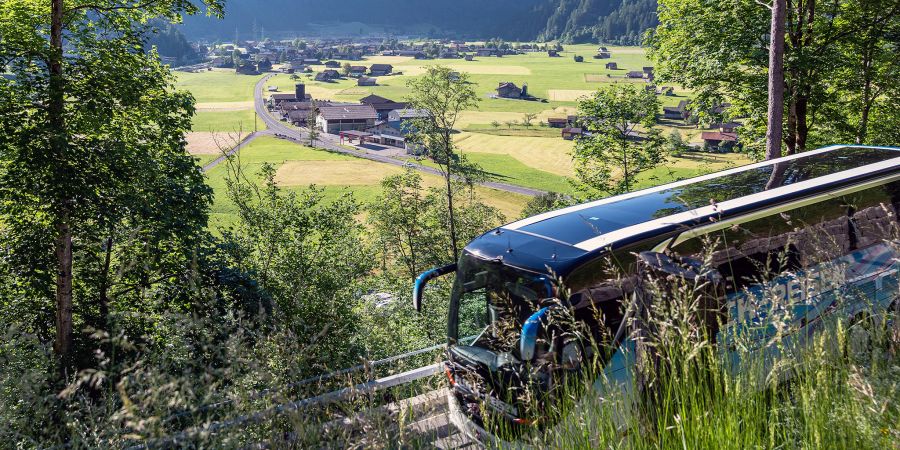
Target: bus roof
559, 239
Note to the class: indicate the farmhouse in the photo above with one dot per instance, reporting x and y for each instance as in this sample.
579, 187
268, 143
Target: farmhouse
602, 49
557, 122
647, 69
508, 89
470, 58
367, 81
571, 133
382, 105
579, 58
679, 112
602, 55
612, 66
335, 119
416, 54
327, 75
635, 74
332, 64
719, 141
380, 70
312, 61
485, 52
552, 53
278, 100
398, 117
358, 71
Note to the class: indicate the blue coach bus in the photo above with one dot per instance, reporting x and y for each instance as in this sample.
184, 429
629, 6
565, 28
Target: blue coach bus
817, 228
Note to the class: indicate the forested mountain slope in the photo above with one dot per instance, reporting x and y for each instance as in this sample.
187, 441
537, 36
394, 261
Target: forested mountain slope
614, 21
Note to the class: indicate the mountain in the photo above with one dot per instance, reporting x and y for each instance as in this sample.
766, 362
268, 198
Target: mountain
608, 21
569, 20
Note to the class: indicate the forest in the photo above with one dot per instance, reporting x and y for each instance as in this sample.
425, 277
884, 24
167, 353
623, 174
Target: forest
572, 21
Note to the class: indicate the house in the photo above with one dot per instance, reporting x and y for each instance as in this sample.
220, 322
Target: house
679, 112
358, 71
332, 64
453, 76
380, 70
366, 81
385, 134
398, 117
602, 55
484, 52
416, 54
312, 61
571, 120
634, 74
647, 69
297, 113
509, 90
335, 119
579, 58
719, 141
279, 100
727, 127
557, 122
246, 69
571, 133
328, 75
552, 53
470, 58
602, 49
382, 105
612, 66
666, 90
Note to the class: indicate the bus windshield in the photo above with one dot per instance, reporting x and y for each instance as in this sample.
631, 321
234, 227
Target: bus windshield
491, 301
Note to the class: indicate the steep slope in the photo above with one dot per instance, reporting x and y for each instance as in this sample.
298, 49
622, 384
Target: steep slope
613, 21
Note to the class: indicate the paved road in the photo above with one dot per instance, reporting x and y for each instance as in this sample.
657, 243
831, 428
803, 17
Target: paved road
332, 142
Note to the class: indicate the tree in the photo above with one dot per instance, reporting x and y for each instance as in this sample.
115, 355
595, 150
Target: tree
407, 222
311, 126
775, 113
609, 159
721, 51
442, 95
509, 123
528, 118
93, 165
345, 68
495, 124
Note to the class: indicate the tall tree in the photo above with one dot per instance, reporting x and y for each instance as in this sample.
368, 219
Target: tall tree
80, 159
721, 50
441, 94
775, 112
608, 160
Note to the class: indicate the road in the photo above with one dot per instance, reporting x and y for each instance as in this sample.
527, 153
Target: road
332, 143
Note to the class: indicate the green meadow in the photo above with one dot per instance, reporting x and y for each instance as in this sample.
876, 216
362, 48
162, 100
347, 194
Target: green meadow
535, 157
299, 166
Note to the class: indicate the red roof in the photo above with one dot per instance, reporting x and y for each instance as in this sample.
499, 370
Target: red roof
718, 136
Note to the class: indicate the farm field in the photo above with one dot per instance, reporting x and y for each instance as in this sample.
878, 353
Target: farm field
299, 166
491, 135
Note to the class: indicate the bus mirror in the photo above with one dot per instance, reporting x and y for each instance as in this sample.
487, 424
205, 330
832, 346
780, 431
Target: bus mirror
424, 278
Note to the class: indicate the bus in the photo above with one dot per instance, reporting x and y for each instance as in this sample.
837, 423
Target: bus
817, 228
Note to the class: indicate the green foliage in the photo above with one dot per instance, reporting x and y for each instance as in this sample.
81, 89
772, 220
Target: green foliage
307, 254
614, 154
546, 202
840, 66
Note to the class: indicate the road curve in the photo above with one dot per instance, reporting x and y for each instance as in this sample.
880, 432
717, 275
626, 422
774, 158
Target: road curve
332, 143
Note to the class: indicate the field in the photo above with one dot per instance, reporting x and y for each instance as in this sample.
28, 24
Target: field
299, 166
491, 135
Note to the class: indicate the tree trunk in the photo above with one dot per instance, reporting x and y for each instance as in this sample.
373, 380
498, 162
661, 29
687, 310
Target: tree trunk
867, 93
776, 81
452, 216
58, 146
104, 283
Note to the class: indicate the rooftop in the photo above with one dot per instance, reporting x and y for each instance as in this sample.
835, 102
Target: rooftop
347, 112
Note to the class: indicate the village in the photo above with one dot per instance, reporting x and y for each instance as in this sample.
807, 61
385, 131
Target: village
353, 93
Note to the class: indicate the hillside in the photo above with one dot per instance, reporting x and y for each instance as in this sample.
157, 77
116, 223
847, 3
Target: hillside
609, 21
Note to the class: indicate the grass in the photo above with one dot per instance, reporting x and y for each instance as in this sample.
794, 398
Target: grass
227, 121
299, 166
218, 86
